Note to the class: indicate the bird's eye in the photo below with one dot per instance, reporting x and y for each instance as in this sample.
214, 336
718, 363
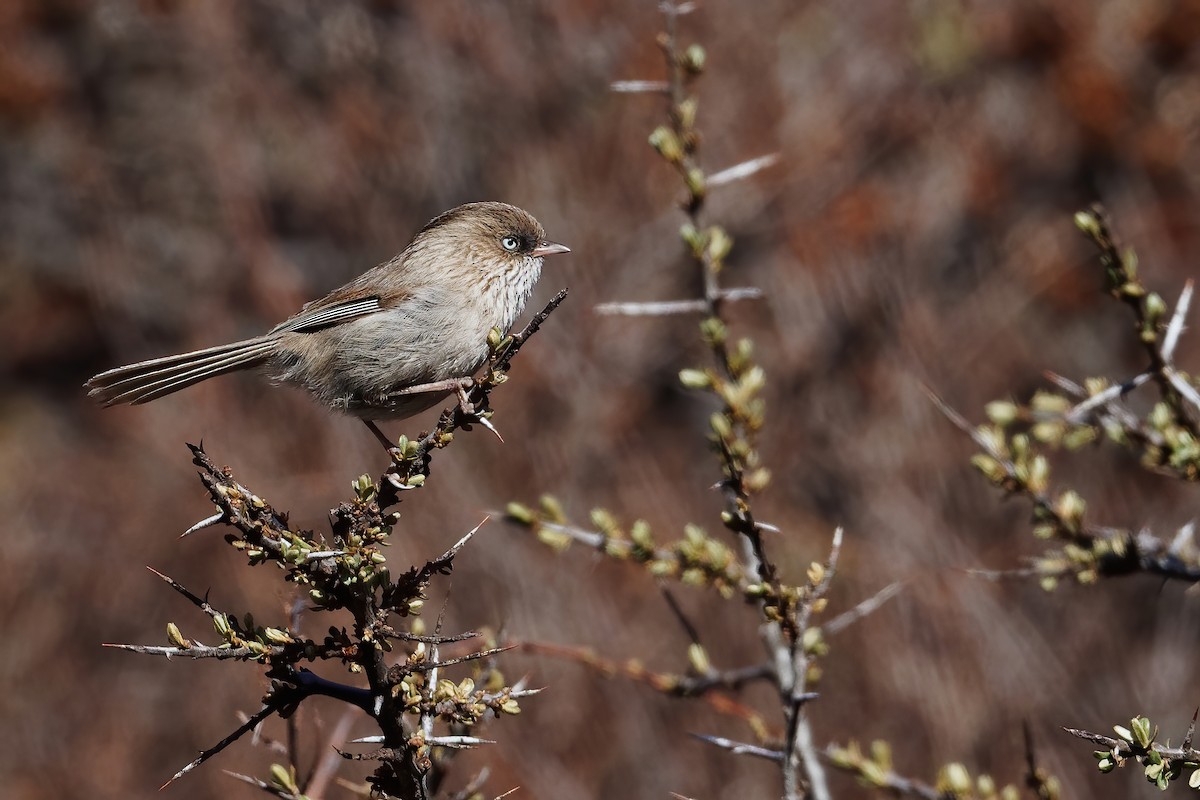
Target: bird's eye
511, 243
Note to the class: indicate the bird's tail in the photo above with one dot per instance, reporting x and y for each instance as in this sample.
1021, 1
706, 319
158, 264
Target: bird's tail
150, 380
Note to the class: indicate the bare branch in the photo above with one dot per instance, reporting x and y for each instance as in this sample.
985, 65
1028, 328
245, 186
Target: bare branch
668, 307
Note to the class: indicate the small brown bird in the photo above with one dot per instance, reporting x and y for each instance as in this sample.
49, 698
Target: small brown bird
393, 341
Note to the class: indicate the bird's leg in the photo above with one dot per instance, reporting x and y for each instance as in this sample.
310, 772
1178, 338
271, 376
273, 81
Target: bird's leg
457, 385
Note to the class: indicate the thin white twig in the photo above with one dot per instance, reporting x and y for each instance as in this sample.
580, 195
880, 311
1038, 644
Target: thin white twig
818, 784
665, 307
743, 170
1065, 383
1175, 327
1122, 416
741, 748
635, 87
1002, 574
1103, 398
800, 738
866, 607
1182, 385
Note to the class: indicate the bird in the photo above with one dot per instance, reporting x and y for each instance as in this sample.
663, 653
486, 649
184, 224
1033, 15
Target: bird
390, 343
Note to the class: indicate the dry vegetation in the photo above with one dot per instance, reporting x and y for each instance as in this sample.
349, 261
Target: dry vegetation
174, 174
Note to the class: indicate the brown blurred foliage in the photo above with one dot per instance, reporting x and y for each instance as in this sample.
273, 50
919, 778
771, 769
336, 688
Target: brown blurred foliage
178, 173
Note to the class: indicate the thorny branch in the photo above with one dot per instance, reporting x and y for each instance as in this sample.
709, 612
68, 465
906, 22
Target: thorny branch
349, 570
1012, 458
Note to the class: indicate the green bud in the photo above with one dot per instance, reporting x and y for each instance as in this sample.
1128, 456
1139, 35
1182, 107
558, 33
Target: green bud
517, 512
176, 638
686, 112
284, 778
664, 140
641, 535
713, 330
1156, 307
720, 425
1088, 223
1129, 260
1001, 412
1070, 507
757, 480
693, 59
552, 508
698, 658
604, 521
693, 238
556, 540
955, 778
719, 244
1079, 437
881, 754
695, 378
1039, 474
992, 469
276, 636
1142, 736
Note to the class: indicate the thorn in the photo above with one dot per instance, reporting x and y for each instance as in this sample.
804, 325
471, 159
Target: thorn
743, 170
457, 741
207, 522
453, 551
317, 555
1175, 327
487, 423
397, 484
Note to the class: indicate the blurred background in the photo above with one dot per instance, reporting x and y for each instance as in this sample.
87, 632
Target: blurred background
176, 174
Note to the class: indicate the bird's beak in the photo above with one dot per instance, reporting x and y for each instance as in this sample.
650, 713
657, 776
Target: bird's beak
545, 248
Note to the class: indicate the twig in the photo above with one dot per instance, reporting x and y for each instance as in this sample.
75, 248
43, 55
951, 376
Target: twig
634, 87
743, 170
741, 748
664, 308
264, 712
863, 609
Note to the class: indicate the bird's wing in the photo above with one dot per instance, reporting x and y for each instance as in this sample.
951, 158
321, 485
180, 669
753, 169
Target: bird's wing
322, 314
358, 298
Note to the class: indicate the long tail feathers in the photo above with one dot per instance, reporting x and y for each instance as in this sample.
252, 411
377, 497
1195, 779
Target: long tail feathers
150, 380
